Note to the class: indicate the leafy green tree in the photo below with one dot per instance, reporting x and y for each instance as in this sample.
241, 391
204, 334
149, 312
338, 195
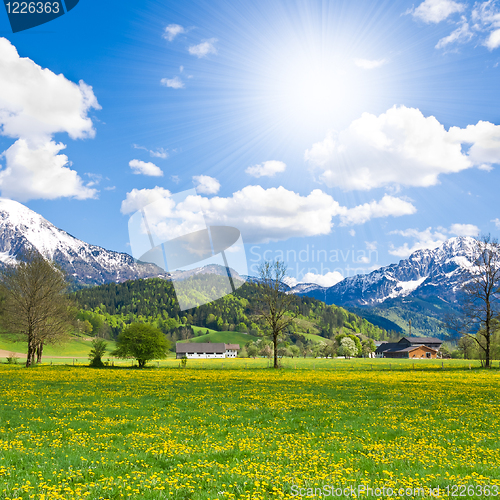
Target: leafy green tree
252, 351
142, 342
355, 339
85, 326
295, 351
99, 347
348, 348
367, 347
242, 353
317, 349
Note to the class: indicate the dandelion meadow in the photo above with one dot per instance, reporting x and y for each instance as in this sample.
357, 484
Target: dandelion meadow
74, 432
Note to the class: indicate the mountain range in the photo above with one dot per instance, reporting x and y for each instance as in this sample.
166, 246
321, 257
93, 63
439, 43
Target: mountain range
422, 287
22, 228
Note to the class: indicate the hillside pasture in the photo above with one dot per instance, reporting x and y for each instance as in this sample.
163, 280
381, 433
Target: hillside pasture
221, 337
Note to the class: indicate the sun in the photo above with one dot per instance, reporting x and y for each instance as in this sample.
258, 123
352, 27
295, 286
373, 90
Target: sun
303, 89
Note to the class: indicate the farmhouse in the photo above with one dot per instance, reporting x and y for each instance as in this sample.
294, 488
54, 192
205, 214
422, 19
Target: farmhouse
410, 347
206, 350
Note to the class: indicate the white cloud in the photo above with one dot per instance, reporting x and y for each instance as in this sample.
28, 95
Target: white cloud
484, 20
159, 153
266, 169
497, 222
175, 178
173, 83
172, 30
462, 34
369, 64
155, 153
429, 238
486, 16
387, 206
493, 41
274, 214
423, 239
95, 179
400, 147
352, 232
145, 168
435, 11
464, 230
137, 199
206, 184
204, 48
484, 138
35, 104
326, 280
40, 172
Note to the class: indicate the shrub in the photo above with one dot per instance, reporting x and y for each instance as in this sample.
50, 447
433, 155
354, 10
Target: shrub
12, 359
99, 347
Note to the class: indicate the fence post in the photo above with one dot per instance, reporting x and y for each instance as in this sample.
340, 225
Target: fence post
442, 365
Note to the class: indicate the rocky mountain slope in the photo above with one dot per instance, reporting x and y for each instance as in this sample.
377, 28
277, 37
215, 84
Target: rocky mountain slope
424, 274
22, 228
422, 288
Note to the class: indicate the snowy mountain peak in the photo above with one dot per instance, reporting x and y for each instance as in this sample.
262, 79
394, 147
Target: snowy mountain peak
425, 273
22, 228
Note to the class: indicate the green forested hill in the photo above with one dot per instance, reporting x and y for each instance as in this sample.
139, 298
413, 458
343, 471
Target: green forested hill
110, 307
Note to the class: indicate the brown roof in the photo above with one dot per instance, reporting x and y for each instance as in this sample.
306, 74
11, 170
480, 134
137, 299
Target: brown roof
421, 340
396, 347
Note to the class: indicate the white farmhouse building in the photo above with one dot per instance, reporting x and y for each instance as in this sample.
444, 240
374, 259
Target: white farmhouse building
206, 350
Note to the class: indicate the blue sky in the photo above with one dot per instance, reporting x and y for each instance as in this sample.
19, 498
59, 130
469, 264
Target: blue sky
353, 132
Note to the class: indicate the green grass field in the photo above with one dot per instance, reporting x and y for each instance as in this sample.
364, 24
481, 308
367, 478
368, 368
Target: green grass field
222, 337
76, 348
207, 432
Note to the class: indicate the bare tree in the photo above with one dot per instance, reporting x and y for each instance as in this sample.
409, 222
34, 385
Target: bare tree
480, 297
35, 306
277, 305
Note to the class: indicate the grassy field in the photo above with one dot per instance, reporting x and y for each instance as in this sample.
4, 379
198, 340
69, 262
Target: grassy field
224, 337
234, 433
77, 348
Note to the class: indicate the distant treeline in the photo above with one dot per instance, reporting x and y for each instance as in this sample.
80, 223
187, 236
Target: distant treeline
108, 308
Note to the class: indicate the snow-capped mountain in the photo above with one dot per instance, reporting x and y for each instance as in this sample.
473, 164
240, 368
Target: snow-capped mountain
424, 274
22, 228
